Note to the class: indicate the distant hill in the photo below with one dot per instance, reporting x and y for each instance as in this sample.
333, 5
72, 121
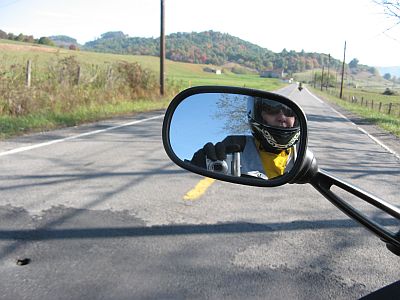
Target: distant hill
393, 71
211, 47
64, 41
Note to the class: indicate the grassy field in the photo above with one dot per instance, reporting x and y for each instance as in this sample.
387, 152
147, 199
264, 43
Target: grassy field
362, 95
390, 123
363, 80
184, 73
50, 104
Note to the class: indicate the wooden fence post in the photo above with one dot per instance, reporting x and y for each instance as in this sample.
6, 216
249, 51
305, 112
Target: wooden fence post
28, 73
78, 75
390, 108
109, 77
372, 104
62, 75
380, 106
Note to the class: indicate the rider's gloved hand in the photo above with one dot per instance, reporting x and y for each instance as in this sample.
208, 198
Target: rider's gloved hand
218, 151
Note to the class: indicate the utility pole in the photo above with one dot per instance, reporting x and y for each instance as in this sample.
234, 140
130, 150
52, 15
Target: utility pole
28, 73
322, 77
329, 62
162, 49
315, 79
344, 59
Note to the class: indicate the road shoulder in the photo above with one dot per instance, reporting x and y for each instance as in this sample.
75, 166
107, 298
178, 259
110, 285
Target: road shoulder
386, 138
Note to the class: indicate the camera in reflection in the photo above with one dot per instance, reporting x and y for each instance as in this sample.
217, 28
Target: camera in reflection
229, 166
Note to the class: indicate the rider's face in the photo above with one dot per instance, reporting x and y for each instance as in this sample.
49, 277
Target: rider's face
278, 119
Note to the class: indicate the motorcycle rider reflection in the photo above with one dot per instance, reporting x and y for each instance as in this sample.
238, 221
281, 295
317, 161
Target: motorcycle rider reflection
269, 151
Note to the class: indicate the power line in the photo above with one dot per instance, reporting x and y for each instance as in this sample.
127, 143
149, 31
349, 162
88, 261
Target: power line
8, 4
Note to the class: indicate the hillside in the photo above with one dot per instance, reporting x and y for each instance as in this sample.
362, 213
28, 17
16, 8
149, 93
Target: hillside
178, 74
211, 47
208, 47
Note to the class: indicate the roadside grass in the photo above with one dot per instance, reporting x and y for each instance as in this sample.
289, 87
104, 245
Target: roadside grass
390, 123
38, 122
248, 81
185, 74
54, 102
364, 81
375, 95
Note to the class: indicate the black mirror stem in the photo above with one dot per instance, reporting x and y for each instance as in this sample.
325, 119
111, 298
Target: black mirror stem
308, 169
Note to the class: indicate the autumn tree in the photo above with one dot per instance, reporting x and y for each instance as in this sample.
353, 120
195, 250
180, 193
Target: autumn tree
354, 63
45, 41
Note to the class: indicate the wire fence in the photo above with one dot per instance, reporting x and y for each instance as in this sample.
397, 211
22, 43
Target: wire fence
385, 107
64, 84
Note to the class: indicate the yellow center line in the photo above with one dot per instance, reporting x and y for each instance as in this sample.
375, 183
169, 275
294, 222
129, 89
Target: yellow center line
199, 189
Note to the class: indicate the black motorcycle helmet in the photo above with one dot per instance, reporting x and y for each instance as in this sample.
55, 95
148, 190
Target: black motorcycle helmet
272, 138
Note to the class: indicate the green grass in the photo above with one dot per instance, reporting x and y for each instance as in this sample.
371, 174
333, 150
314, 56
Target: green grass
11, 126
249, 81
178, 77
185, 73
390, 123
362, 80
371, 95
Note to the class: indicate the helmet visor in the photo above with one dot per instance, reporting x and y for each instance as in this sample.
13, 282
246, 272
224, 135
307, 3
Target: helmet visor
275, 114
273, 108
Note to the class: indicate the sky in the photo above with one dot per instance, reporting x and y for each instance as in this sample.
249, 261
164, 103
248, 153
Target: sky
310, 25
208, 124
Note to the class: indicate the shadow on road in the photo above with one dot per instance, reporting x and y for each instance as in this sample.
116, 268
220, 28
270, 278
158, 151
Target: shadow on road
171, 230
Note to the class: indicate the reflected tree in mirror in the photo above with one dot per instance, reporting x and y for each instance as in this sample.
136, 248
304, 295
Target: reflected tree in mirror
233, 110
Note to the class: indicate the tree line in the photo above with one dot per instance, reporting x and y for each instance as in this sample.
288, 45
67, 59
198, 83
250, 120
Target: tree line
208, 47
214, 48
26, 38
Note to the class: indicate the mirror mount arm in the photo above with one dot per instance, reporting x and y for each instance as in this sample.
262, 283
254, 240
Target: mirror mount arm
322, 181
308, 169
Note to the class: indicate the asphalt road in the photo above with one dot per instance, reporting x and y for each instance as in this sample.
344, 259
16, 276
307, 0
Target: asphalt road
99, 211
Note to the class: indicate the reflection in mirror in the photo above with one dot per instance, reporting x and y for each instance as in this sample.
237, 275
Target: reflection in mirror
237, 135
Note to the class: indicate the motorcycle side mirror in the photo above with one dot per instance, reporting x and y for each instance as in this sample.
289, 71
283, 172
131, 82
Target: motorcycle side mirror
257, 138
236, 134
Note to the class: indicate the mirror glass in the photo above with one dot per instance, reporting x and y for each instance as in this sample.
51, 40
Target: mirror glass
236, 135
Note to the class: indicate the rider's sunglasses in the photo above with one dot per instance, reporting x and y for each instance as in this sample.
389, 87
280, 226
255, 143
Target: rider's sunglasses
274, 109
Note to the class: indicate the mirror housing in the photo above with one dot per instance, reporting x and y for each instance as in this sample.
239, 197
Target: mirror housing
197, 100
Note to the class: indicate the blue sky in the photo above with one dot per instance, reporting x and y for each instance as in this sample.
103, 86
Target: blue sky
195, 123
312, 25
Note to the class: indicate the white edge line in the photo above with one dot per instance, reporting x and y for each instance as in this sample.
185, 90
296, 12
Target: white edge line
359, 128
380, 143
26, 148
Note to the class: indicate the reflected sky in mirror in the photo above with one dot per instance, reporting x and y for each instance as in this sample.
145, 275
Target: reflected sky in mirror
203, 118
